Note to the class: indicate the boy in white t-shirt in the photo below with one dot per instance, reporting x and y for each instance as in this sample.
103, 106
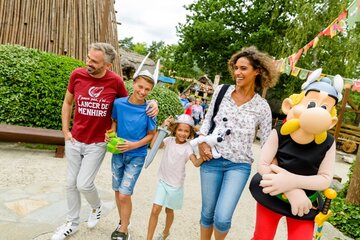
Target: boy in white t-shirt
170, 191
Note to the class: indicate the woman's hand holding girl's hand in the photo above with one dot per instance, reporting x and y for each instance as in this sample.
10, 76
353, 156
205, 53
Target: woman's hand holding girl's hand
205, 151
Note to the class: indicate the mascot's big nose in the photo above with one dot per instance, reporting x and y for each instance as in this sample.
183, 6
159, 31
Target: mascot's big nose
315, 120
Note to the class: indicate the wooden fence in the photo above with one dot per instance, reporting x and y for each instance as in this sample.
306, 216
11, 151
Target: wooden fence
65, 27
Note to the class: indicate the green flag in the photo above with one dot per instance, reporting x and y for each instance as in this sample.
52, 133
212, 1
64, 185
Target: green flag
353, 14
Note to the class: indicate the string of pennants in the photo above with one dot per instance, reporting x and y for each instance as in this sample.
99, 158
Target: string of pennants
346, 20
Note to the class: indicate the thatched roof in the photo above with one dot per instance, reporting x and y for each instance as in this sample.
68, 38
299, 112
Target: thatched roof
129, 59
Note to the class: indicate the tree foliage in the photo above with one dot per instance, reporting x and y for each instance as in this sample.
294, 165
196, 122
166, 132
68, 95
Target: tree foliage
215, 29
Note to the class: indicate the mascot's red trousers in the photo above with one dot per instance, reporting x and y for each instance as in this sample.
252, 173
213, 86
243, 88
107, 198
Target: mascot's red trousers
267, 222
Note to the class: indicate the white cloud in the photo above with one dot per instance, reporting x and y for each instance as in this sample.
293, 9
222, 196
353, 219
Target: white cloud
150, 20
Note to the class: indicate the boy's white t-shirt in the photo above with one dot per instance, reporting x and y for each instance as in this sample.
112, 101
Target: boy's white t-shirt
172, 166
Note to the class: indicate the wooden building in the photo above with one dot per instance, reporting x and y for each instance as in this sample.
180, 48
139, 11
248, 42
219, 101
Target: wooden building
130, 61
65, 27
202, 87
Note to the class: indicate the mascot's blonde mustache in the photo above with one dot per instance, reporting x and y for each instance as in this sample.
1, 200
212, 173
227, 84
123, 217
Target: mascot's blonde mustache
292, 125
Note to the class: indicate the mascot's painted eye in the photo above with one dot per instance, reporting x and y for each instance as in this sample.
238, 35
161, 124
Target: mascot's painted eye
324, 107
311, 105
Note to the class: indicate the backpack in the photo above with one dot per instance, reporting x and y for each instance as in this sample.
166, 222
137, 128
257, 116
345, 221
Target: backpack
218, 100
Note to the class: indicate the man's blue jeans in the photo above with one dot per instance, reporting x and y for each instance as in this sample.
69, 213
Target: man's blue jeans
222, 183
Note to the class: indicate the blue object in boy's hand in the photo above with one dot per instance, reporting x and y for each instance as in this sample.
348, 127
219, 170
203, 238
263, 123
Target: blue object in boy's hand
111, 146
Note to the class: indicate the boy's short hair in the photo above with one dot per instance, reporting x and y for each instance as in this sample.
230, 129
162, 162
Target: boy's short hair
146, 75
146, 78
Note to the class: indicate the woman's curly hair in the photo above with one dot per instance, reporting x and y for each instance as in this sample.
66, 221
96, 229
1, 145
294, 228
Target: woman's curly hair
259, 60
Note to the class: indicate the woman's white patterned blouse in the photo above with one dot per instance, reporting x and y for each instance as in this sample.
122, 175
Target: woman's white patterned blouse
243, 121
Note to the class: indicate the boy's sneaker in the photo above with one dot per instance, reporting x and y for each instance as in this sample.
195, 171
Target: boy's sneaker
64, 231
94, 217
116, 235
119, 225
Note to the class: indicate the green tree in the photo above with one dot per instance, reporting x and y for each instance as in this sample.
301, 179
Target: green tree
140, 48
215, 29
127, 43
154, 48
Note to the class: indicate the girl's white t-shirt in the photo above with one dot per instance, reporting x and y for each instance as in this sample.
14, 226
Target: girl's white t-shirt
172, 166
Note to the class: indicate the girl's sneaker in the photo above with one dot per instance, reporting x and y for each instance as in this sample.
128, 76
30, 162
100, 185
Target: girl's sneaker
64, 231
162, 236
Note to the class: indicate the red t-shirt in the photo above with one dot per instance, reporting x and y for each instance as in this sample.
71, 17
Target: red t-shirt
93, 99
188, 110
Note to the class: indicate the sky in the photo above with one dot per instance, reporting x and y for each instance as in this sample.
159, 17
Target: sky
150, 20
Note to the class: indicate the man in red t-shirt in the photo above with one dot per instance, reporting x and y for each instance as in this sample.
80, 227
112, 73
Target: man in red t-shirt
93, 89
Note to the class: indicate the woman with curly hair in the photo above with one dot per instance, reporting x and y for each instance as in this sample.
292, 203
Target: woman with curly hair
242, 110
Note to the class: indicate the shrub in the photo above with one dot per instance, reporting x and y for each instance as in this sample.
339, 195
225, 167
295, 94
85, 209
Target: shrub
32, 86
345, 215
168, 101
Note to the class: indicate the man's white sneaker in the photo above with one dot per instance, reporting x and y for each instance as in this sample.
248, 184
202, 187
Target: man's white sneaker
94, 217
64, 231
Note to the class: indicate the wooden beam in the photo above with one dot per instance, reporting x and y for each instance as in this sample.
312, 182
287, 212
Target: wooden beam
342, 111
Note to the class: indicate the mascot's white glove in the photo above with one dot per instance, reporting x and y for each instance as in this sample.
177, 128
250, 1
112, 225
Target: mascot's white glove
300, 203
280, 181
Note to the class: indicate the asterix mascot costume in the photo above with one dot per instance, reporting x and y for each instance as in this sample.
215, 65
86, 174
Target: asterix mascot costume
297, 161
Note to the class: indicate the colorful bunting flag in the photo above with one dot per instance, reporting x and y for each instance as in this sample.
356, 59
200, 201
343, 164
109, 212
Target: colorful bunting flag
303, 74
333, 28
356, 85
298, 55
295, 71
325, 32
280, 65
287, 69
346, 20
316, 40
353, 14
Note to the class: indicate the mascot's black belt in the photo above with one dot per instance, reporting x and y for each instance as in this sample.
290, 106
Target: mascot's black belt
282, 206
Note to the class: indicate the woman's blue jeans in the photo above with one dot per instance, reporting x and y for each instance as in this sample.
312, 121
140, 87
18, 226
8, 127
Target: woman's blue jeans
222, 183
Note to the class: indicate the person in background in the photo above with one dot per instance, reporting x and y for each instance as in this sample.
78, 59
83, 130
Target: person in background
188, 107
184, 101
204, 105
170, 190
197, 112
93, 90
223, 179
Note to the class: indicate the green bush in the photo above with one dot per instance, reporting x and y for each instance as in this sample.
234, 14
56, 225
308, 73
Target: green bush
345, 215
168, 101
32, 86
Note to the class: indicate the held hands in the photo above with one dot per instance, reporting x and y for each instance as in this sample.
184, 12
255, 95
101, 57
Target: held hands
152, 109
300, 203
205, 151
280, 181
